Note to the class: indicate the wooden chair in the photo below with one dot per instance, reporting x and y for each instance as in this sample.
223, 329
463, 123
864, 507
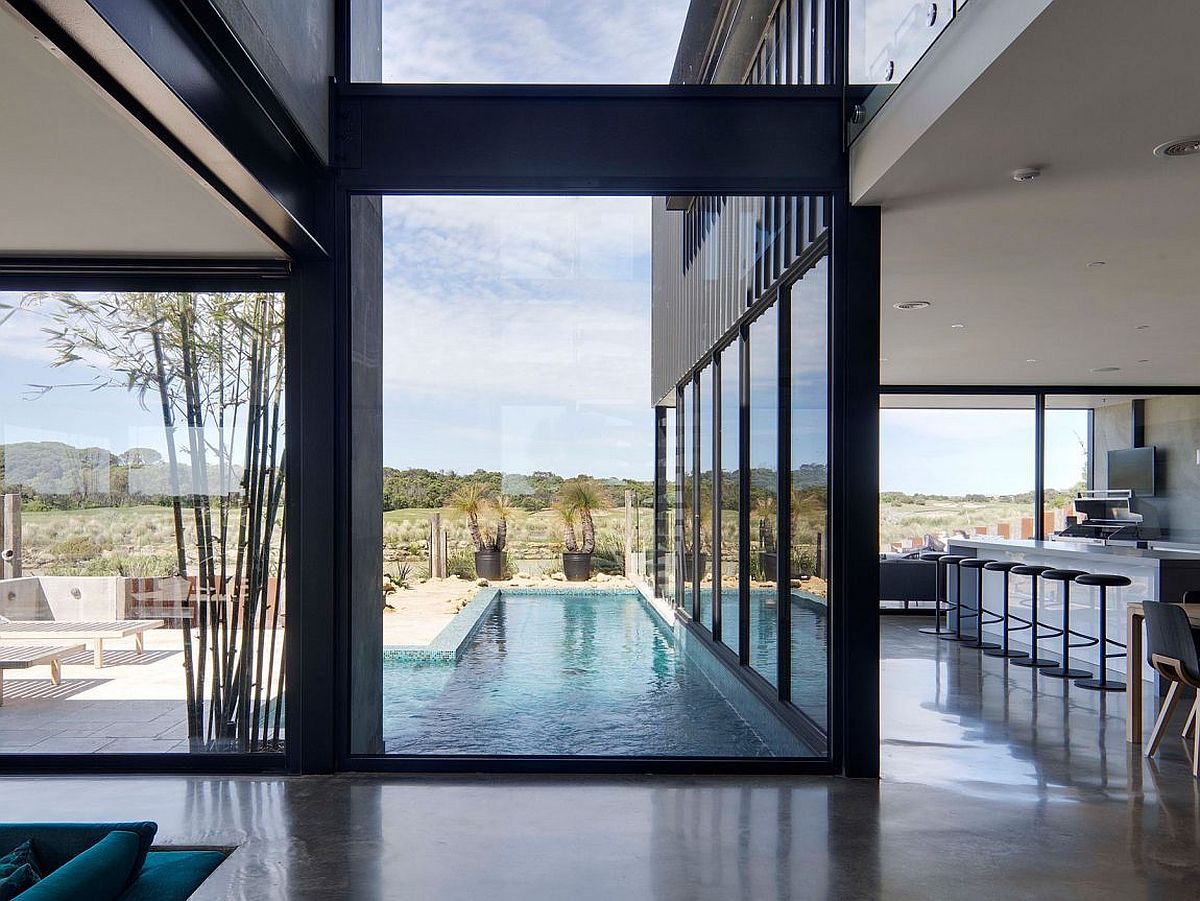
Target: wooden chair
1171, 650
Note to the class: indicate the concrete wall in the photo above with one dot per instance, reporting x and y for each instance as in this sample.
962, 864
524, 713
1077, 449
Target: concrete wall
1172, 425
292, 42
63, 598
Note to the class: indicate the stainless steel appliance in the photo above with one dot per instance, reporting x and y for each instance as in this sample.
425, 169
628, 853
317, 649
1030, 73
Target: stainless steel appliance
1108, 520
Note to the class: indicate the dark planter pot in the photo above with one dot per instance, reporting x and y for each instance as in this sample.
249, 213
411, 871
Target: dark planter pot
770, 566
489, 564
577, 567
687, 566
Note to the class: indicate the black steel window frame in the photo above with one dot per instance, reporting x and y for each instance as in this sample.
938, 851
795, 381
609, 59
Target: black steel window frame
86, 275
835, 740
633, 140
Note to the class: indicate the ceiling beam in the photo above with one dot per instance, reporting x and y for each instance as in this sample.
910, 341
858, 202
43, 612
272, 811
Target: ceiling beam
674, 139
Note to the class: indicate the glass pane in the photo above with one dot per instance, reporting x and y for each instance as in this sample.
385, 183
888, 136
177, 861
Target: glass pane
810, 492
143, 489
686, 486
706, 496
889, 37
730, 494
764, 493
669, 561
954, 467
531, 41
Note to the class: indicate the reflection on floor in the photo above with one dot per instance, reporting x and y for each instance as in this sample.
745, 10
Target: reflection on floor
999, 784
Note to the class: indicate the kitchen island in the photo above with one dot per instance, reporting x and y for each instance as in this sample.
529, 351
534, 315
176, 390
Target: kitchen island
1155, 574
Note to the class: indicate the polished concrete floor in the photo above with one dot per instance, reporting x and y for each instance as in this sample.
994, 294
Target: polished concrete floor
997, 784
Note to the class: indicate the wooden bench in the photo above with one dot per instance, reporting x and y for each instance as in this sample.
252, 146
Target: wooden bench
25, 656
96, 632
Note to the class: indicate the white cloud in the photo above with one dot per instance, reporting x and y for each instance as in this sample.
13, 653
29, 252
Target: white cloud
533, 41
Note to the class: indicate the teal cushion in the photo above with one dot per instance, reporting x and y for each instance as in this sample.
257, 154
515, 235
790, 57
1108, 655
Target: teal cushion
172, 875
23, 877
21, 855
19, 870
98, 874
57, 843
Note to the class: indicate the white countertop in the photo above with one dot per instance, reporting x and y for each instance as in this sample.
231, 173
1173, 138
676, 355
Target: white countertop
1077, 550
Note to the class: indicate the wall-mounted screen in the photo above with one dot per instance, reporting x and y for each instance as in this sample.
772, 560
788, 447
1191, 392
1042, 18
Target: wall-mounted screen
1132, 469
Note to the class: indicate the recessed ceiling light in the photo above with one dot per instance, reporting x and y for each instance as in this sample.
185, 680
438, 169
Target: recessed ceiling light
1178, 147
1026, 174
1106, 369
958, 325
1095, 264
912, 305
883, 359
1031, 361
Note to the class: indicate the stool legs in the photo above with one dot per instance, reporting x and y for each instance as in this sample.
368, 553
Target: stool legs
1004, 650
938, 600
1033, 660
1103, 683
979, 643
956, 634
1063, 670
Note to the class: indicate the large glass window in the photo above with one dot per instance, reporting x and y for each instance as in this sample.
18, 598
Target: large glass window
143, 585
687, 482
669, 564
531, 41
955, 467
706, 510
764, 493
1142, 446
729, 524
809, 486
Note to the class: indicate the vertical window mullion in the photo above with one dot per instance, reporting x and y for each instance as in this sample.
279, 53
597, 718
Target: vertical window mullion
715, 456
743, 343
783, 666
695, 464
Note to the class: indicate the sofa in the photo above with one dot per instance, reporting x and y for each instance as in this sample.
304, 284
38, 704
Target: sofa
107, 861
907, 579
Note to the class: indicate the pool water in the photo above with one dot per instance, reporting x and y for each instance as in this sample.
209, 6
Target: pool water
810, 644
563, 674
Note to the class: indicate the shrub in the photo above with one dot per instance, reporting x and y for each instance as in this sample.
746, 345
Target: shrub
76, 549
462, 564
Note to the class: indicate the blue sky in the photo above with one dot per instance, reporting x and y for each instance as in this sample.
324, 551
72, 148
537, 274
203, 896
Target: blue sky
958, 452
546, 41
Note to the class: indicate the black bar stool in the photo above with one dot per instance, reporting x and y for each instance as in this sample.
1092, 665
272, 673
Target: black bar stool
939, 595
948, 561
1033, 660
1063, 670
1104, 581
978, 564
1005, 567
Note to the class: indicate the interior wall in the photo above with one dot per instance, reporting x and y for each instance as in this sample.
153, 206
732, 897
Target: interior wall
1172, 425
292, 42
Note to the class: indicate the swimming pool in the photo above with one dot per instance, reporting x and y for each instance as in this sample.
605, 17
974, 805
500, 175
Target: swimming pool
565, 674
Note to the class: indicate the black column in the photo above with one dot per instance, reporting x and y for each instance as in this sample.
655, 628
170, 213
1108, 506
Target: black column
854, 486
311, 330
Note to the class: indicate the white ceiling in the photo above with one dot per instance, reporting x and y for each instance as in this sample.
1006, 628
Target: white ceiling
78, 177
1085, 93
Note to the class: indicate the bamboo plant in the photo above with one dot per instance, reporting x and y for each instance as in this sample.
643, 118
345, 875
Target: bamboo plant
213, 363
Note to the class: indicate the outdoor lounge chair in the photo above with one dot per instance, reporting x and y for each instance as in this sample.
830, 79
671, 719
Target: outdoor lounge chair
25, 656
96, 632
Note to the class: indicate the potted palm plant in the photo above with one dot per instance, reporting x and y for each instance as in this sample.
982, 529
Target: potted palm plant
577, 500
473, 500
